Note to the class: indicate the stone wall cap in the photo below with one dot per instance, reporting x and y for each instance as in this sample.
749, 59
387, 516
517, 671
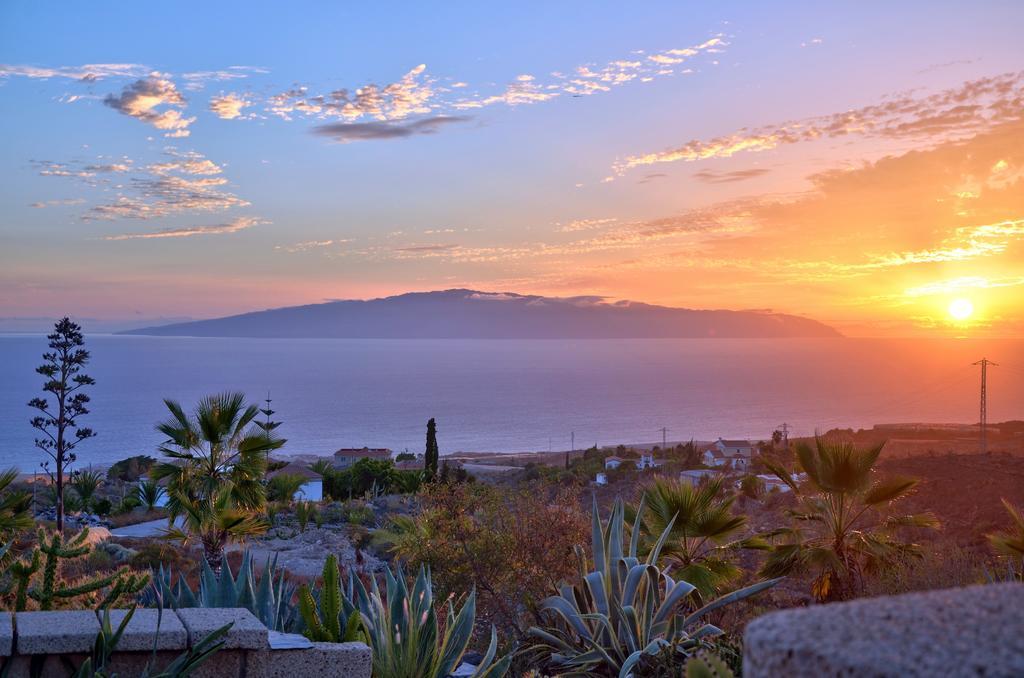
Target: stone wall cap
142, 630
288, 641
56, 631
247, 633
6, 634
973, 631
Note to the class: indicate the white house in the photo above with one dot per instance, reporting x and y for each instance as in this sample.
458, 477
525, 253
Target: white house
613, 462
646, 461
694, 476
313, 487
735, 454
601, 479
714, 457
774, 483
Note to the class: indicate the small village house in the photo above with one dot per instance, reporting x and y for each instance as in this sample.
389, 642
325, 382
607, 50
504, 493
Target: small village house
613, 462
647, 461
347, 456
733, 454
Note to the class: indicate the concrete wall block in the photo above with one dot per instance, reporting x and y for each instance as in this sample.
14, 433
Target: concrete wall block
247, 633
56, 632
53, 665
339, 660
134, 663
224, 664
969, 631
142, 630
6, 634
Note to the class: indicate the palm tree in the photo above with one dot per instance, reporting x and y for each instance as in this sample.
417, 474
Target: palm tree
216, 462
1010, 543
149, 493
15, 514
283, 486
86, 483
848, 533
701, 523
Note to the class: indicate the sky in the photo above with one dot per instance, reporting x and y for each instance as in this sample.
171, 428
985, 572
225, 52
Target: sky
858, 163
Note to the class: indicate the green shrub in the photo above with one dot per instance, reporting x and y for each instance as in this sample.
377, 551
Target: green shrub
152, 554
360, 515
752, 487
131, 469
304, 511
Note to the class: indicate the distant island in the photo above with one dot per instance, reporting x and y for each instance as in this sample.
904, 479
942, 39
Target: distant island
470, 314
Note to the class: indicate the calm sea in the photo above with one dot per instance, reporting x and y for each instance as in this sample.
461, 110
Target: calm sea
506, 396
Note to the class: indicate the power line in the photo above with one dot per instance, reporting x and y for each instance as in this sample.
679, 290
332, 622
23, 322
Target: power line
983, 419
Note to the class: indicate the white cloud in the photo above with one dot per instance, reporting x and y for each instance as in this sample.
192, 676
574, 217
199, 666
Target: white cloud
233, 226
154, 100
229, 106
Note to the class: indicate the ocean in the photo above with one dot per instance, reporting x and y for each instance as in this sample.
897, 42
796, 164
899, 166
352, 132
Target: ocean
515, 395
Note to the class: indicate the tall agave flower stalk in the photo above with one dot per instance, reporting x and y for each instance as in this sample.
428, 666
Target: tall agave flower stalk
623, 608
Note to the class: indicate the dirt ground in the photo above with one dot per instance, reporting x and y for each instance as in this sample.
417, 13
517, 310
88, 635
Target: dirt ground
964, 491
303, 553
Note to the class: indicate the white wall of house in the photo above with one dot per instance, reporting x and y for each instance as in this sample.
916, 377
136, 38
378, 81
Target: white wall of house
311, 490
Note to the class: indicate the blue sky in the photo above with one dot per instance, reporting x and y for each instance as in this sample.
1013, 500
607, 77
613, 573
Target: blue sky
657, 152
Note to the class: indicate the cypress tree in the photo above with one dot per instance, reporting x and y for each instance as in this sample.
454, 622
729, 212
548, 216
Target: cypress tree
432, 453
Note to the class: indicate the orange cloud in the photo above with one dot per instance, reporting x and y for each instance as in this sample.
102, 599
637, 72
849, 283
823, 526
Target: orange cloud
971, 108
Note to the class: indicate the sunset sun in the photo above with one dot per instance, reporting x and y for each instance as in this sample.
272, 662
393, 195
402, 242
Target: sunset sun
960, 309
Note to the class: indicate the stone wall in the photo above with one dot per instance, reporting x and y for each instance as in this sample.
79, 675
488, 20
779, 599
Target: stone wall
973, 631
250, 650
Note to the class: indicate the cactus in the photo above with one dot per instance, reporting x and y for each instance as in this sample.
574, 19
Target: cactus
708, 666
323, 619
268, 597
53, 589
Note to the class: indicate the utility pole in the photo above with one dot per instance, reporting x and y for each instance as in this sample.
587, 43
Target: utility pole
983, 419
573, 445
785, 435
664, 437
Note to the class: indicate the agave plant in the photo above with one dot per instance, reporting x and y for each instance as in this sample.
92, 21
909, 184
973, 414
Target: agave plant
268, 596
399, 624
624, 610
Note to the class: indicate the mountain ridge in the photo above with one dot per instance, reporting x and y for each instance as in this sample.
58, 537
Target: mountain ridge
471, 314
